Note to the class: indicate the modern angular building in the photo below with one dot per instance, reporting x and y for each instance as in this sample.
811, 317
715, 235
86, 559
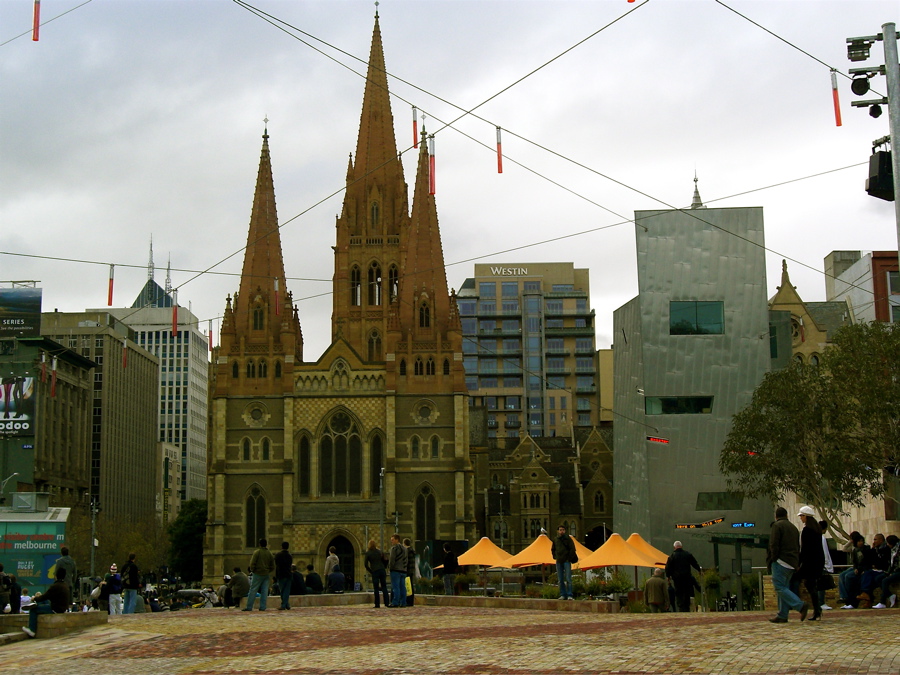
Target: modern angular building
869, 283
689, 351
528, 345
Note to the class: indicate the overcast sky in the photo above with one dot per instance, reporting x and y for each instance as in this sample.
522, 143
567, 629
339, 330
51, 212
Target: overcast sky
132, 118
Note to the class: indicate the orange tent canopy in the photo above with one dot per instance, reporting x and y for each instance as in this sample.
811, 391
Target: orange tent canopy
642, 545
485, 552
616, 551
538, 553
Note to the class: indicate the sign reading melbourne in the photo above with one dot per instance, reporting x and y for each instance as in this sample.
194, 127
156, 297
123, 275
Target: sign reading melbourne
20, 312
17, 405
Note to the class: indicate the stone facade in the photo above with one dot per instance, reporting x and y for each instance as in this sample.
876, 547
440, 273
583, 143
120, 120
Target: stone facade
373, 435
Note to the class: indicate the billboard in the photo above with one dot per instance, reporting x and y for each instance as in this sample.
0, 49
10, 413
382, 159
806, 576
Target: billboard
29, 550
20, 312
17, 394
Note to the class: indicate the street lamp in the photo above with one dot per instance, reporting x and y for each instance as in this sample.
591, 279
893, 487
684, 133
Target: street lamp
3, 486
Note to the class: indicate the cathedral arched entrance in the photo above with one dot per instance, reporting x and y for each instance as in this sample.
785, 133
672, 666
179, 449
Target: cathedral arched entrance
347, 557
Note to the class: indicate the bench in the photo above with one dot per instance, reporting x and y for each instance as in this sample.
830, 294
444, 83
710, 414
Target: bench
53, 625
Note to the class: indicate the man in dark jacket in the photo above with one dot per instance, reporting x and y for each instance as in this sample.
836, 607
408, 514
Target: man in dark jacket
336, 580
262, 564
313, 580
298, 584
374, 562
397, 567
131, 583
237, 587
783, 559
678, 569
451, 567
56, 600
563, 551
283, 562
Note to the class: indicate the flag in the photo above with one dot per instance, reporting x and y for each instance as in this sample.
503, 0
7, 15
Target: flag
36, 28
43, 366
834, 95
499, 153
175, 313
277, 304
209, 335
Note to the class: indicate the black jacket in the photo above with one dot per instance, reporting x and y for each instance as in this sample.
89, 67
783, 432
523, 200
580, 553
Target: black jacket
679, 564
812, 555
563, 549
283, 562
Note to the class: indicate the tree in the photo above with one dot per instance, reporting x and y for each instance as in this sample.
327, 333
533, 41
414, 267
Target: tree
830, 434
186, 540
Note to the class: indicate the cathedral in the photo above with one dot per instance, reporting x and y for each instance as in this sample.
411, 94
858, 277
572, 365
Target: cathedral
373, 436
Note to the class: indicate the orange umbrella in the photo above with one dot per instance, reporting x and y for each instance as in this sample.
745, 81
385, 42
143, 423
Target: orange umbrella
485, 552
642, 545
539, 553
616, 551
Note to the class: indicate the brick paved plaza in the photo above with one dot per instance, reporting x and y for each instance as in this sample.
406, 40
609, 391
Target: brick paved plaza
424, 639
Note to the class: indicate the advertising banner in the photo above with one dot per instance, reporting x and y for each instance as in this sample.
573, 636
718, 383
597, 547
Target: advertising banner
29, 550
20, 312
17, 407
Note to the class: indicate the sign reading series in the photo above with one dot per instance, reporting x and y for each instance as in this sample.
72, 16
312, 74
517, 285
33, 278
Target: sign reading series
20, 312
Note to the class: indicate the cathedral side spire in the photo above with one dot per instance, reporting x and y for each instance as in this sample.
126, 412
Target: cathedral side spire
696, 203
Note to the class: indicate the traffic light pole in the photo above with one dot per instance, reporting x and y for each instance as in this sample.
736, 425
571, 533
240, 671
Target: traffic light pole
892, 73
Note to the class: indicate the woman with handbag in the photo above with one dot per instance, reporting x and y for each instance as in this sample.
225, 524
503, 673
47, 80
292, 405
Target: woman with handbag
812, 558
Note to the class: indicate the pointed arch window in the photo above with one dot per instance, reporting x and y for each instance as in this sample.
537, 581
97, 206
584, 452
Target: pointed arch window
393, 282
374, 283
403, 366
375, 215
429, 366
263, 368
414, 447
435, 447
265, 449
426, 513
377, 460
419, 366
355, 287
258, 318
278, 369
446, 366
304, 467
251, 369
374, 346
340, 457
254, 517
599, 502
424, 315
245, 449
235, 370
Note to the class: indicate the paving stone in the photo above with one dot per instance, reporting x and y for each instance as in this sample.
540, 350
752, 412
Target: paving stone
430, 640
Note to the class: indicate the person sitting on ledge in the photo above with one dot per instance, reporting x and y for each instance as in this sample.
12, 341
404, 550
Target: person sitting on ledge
56, 600
336, 580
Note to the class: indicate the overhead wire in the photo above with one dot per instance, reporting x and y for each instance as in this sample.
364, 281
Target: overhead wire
44, 23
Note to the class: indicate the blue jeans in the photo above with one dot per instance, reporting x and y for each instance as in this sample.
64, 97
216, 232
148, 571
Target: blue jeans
564, 574
379, 580
848, 586
40, 607
284, 586
787, 598
449, 583
398, 589
130, 600
259, 583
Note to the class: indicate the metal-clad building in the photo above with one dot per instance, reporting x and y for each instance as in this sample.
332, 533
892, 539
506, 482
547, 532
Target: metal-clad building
689, 350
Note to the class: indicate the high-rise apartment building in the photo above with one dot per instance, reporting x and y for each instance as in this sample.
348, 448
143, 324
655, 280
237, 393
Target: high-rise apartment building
528, 346
183, 379
869, 283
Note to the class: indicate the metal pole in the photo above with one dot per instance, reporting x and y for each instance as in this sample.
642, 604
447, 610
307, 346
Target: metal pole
892, 72
93, 532
381, 494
